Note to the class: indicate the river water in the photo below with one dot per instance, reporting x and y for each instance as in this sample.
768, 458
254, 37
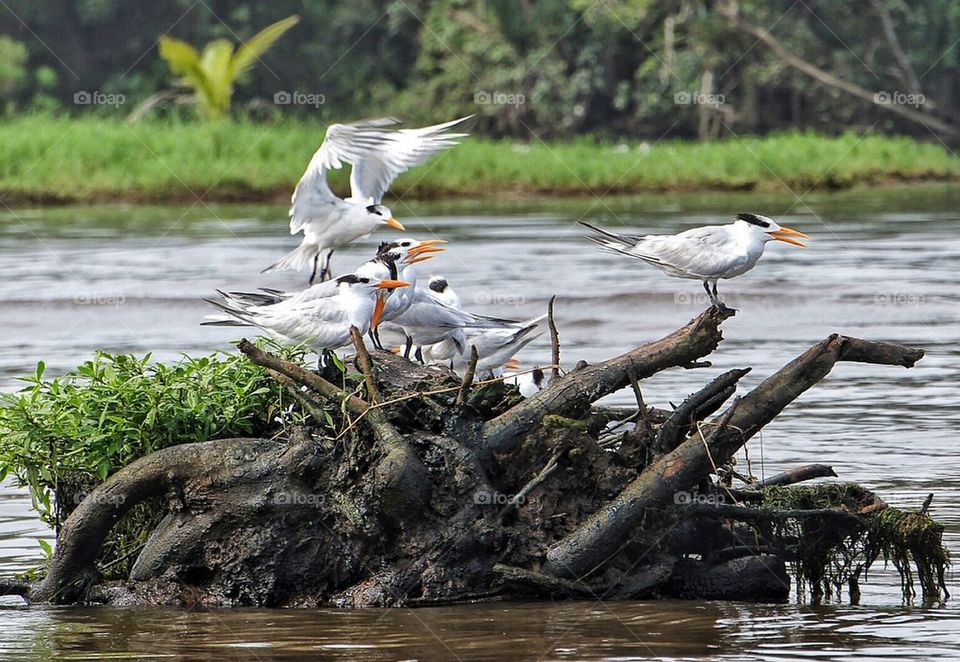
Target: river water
882, 265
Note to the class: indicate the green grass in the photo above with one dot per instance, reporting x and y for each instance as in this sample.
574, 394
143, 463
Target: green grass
60, 159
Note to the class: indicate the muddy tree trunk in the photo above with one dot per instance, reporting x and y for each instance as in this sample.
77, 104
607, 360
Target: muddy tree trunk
431, 489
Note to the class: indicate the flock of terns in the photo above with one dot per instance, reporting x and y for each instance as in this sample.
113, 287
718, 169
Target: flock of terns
425, 316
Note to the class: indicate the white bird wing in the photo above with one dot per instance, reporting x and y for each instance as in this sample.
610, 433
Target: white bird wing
321, 322
490, 341
395, 152
428, 310
313, 200
704, 252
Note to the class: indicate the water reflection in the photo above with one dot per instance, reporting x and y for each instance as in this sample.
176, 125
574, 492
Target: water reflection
518, 631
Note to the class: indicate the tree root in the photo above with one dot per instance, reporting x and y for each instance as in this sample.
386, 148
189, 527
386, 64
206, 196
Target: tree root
434, 489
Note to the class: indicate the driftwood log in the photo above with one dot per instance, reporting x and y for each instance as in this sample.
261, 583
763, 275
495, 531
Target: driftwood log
431, 489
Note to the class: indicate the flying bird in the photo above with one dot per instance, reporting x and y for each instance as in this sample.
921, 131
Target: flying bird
378, 154
320, 317
707, 253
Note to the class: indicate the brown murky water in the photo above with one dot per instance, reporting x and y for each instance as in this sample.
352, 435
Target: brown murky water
884, 265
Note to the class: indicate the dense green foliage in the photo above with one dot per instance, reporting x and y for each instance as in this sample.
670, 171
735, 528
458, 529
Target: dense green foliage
561, 67
52, 159
60, 437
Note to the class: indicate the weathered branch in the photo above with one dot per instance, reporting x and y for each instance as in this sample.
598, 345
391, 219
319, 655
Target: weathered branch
541, 584
383, 430
14, 587
695, 408
72, 569
468, 376
573, 393
602, 534
554, 339
797, 475
310, 405
366, 365
744, 513
768, 399
302, 376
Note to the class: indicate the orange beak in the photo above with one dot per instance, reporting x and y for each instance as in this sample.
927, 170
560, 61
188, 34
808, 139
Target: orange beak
784, 234
394, 223
378, 311
512, 364
422, 252
388, 284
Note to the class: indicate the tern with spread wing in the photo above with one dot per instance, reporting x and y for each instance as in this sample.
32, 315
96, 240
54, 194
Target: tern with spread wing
708, 253
377, 154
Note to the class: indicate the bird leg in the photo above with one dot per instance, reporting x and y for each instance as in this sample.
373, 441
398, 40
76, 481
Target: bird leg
714, 297
419, 355
408, 347
327, 272
313, 273
374, 335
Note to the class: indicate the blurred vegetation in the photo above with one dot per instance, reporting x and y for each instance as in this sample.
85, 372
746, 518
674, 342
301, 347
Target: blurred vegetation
544, 68
60, 159
211, 75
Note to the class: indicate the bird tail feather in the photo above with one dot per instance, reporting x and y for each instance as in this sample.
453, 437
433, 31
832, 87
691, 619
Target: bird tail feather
236, 316
299, 258
619, 238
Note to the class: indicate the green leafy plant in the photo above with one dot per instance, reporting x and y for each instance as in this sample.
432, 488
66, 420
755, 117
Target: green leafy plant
211, 75
61, 437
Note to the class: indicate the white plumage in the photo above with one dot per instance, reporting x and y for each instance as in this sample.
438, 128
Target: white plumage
320, 317
495, 346
707, 253
431, 319
377, 156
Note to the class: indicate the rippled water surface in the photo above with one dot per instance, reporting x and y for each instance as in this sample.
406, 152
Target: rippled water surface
883, 265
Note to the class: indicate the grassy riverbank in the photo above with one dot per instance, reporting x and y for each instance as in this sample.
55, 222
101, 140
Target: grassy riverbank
50, 160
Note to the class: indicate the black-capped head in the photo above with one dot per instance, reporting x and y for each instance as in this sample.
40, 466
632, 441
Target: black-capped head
382, 214
769, 230
352, 279
439, 284
763, 222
